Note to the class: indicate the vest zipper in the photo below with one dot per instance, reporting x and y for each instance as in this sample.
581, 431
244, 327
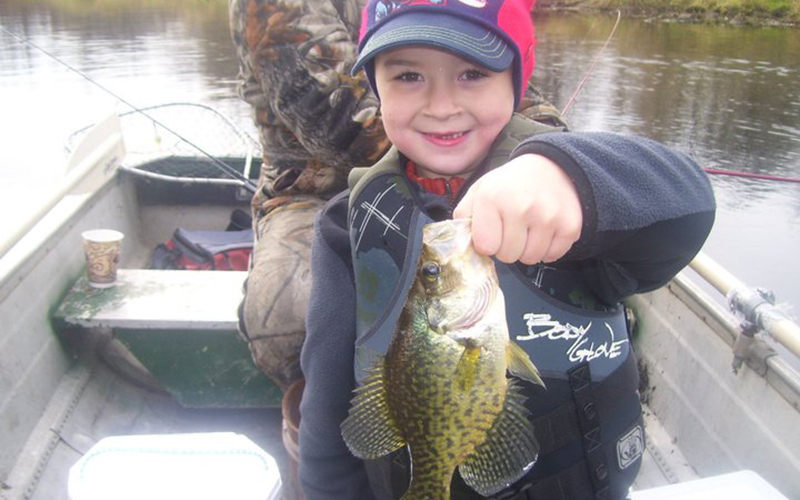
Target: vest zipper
448, 193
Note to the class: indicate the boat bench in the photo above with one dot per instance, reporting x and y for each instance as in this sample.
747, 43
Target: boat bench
181, 326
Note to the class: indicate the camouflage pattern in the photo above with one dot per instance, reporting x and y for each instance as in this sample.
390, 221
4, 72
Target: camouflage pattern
315, 123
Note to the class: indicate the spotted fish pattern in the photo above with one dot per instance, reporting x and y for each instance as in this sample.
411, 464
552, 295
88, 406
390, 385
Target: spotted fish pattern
441, 389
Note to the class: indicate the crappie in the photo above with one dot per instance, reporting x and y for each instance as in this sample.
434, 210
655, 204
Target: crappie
442, 388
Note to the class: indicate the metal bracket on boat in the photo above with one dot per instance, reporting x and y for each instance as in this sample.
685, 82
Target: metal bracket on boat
754, 305
749, 349
745, 302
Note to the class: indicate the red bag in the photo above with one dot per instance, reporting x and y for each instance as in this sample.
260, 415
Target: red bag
214, 250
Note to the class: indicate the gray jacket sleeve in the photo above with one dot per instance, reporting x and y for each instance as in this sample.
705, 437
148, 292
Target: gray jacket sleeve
647, 209
328, 470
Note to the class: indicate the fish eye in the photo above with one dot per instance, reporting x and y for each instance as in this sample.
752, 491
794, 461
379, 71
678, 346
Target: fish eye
430, 270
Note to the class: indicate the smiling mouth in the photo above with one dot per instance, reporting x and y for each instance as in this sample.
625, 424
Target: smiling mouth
447, 139
451, 136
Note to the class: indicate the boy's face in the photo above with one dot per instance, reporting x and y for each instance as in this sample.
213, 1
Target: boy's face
441, 111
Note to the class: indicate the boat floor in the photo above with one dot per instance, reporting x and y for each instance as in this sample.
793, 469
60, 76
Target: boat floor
94, 402
107, 404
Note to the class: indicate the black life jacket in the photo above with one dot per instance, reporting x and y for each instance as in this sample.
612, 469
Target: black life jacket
588, 422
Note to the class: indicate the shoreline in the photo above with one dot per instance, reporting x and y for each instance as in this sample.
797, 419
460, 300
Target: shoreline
655, 10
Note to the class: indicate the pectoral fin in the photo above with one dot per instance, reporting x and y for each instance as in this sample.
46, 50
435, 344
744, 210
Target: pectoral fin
510, 449
520, 365
467, 368
369, 430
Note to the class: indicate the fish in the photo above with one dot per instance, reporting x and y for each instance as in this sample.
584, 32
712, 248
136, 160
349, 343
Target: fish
442, 389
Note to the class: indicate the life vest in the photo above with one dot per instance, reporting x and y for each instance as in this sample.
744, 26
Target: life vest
588, 421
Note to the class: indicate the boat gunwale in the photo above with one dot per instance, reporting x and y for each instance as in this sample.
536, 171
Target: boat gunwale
784, 378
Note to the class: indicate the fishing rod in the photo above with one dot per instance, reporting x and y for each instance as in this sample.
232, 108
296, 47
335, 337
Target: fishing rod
752, 176
246, 183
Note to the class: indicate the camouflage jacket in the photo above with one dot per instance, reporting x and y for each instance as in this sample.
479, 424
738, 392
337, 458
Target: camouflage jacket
315, 120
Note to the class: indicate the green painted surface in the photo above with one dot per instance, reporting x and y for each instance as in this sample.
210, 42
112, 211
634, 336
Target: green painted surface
203, 369
83, 302
198, 366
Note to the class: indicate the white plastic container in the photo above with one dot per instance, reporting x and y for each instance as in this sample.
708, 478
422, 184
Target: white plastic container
171, 466
742, 485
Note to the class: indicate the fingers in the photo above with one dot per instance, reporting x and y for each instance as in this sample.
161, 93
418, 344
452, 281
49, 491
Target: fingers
487, 224
464, 208
514, 243
498, 226
487, 231
537, 246
550, 236
559, 246
523, 212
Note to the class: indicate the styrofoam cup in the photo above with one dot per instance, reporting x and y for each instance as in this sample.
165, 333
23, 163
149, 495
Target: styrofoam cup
102, 248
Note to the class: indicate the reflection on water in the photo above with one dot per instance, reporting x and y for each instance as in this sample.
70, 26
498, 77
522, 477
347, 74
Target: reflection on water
726, 95
146, 51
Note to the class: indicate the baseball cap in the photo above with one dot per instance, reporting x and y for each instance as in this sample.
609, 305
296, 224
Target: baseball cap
496, 34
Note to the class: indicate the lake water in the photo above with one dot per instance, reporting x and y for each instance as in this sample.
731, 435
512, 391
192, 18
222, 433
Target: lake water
728, 96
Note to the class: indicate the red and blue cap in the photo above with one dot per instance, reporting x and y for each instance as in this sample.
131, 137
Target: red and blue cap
496, 34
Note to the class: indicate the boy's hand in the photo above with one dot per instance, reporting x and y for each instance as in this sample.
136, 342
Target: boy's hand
526, 210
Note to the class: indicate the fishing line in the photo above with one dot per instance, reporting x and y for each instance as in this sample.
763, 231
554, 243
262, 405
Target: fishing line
246, 183
752, 176
707, 170
588, 73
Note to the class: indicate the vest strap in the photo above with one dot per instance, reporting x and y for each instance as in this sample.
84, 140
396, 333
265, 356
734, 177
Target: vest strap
556, 429
580, 381
569, 484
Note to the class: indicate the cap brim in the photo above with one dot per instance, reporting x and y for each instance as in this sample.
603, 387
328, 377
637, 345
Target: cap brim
463, 37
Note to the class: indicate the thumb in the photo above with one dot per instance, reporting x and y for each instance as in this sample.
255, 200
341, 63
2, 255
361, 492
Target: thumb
464, 208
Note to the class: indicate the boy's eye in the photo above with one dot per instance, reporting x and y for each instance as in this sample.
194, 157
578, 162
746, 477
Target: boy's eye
409, 76
473, 74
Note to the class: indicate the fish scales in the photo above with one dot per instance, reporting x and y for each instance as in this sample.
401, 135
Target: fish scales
455, 422
442, 388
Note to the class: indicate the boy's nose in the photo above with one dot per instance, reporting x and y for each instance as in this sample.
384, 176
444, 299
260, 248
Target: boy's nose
443, 101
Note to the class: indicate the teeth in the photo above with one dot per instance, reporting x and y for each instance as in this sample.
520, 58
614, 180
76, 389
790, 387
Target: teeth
449, 136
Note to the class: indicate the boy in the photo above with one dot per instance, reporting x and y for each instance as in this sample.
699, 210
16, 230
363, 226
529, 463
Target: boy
315, 123
577, 221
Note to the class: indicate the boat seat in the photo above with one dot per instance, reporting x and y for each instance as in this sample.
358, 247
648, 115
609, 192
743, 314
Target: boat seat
739, 485
180, 326
200, 466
